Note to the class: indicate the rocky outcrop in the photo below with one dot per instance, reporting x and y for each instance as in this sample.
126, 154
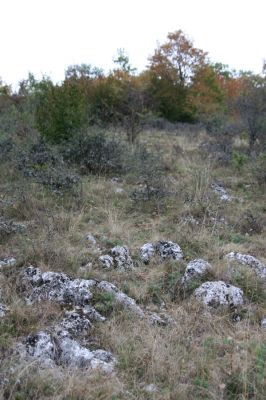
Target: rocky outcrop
59, 348
248, 261
166, 250
195, 269
57, 287
219, 293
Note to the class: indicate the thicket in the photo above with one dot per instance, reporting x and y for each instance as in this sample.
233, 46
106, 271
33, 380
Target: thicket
179, 85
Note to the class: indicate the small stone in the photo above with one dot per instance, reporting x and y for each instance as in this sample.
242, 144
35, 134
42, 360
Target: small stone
194, 270
119, 190
122, 259
91, 239
221, 192
146, 252
76, 323
151, 388
8, 262
3, 310
169, 250
263, 322
121, 297
106, 261
219, 293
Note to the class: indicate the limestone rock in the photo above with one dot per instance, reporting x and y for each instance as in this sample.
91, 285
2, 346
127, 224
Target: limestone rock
57, 287
53, 349
194, 270
91, 239
121, 297
122, 259
8, 262
221, 192
249, 261
146, 252
76, 323
106, 261
166, 250
263, 322
219, 293
169, 250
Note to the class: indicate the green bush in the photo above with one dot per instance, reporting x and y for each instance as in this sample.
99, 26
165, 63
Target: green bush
94, 152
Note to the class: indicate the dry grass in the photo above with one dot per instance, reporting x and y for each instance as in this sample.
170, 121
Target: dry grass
204, 355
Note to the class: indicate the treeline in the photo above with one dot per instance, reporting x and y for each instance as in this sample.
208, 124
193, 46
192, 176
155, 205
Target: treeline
180, 84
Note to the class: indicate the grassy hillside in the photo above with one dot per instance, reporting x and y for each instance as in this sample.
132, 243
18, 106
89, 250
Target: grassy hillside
204, 352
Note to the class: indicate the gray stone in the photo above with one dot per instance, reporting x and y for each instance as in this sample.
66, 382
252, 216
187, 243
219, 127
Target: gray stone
91, 239
263, 322
55, 286
219, 293
121, 297
122, 259
248, 261
8, 262
53, 348
146, 252
169, 250
194, 270
221, 192
106, 261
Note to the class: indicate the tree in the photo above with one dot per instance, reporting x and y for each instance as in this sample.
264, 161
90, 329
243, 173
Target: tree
61, 109
173, 67
251, 105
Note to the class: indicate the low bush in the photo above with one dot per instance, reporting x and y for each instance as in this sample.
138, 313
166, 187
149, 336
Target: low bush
94, 152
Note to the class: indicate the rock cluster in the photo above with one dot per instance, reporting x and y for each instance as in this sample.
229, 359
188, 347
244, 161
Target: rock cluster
119, 259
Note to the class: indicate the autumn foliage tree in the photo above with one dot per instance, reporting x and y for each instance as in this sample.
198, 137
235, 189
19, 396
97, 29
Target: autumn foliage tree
173, 66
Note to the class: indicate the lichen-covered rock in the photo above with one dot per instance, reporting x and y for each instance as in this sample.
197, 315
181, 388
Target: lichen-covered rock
194, 270
249, 261
55, 286
219, 293
106, 261
161, 319
221, 192
121, 297
76, 323
8, 262
263, 322
168, 250
58, 348
91, 239
3, 310
121, 257
146, 252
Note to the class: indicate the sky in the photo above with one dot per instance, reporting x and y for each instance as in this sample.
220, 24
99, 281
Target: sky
46, 36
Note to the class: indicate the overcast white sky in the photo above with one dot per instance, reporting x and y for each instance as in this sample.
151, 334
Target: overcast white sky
45, 36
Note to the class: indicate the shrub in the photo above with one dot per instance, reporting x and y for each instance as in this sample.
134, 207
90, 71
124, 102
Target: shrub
45, 166
94, 152
147, 168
